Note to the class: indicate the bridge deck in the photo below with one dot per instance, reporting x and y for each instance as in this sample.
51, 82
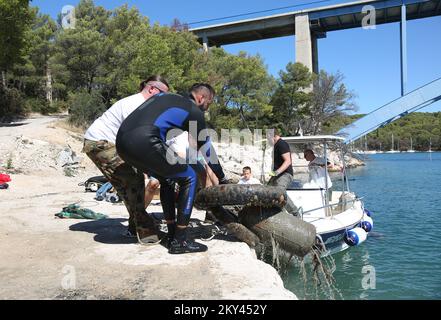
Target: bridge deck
323, 19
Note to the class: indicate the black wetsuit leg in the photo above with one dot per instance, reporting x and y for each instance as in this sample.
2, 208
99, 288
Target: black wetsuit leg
187, 181
144, 150
167, 194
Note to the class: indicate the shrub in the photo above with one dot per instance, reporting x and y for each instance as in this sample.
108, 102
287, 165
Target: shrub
85, 107
35, 105
60, 105
11, 104
43, 106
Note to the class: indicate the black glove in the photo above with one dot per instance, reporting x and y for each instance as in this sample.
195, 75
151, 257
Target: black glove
224, 180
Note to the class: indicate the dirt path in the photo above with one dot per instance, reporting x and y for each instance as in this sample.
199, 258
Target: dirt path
46, 258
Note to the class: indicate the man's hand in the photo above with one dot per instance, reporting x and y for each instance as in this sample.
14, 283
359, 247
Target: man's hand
224, 180
273, 173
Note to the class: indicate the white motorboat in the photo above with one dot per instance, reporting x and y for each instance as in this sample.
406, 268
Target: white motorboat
340, 219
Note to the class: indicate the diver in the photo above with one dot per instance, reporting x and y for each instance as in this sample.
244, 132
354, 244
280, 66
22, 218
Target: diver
141, 142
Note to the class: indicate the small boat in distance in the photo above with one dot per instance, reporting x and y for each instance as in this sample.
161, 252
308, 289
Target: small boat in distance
392, 148
411, 149
430, 145
365, 151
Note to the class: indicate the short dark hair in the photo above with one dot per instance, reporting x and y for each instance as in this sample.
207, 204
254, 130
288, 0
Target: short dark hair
308, 151
246, 168
155, 77
196, 87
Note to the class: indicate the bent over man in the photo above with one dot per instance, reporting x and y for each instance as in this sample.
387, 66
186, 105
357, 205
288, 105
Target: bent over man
99, 145
141, 142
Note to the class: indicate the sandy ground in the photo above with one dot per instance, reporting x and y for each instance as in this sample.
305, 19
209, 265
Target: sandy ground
43, 257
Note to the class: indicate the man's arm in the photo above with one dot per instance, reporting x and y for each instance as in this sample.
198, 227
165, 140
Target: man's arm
207, 148
216, 167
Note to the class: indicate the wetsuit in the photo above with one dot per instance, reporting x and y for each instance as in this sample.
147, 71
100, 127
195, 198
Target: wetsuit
141, 142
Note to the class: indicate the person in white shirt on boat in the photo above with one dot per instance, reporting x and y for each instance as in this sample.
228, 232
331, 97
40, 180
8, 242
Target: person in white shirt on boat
317, 173
247, 177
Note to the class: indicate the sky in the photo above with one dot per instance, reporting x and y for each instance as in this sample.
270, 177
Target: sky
369, 60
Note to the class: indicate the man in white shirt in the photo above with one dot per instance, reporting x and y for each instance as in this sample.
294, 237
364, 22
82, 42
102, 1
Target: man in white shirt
99, 145
317, 172
247, 177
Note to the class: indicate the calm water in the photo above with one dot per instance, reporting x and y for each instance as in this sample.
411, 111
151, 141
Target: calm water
402, 258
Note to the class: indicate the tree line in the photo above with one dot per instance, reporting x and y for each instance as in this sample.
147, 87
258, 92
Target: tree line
85, 69
419, 130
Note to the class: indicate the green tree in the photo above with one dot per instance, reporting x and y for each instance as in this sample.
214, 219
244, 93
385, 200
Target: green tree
291, 99
83, 53
124, 28
243, 87
185, 52
329, 99
15, 20
34, 75
92, 17
421, 127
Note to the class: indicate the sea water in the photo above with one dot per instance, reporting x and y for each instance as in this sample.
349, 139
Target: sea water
401, 258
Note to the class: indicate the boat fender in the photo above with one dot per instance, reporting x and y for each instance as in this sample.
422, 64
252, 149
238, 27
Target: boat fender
367, 224
367, 212
355, 236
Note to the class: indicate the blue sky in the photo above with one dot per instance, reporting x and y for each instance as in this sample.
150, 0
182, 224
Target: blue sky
368, 59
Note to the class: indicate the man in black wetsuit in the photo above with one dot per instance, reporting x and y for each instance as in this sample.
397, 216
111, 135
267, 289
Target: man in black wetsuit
141, 142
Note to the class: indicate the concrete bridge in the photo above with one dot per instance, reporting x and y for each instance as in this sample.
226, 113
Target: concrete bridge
311, 24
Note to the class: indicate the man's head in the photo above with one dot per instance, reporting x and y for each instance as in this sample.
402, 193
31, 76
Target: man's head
246, 173
273, 136
203, 95
153, 85
309, 154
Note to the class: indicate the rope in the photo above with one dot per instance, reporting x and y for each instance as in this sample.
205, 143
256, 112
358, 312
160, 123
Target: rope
216, 232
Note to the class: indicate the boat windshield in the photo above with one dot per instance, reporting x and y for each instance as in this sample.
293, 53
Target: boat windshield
328, 164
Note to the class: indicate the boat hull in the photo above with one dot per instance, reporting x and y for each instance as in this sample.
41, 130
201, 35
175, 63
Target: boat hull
331, 227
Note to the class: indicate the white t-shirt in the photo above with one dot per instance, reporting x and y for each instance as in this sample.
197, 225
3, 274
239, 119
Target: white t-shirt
251, 180
106, 127
180, 145
317, 172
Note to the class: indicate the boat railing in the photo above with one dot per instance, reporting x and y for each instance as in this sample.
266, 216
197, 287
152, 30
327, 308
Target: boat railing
328, 206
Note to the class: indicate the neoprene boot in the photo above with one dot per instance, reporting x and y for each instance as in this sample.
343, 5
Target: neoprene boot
181, 243
171, 229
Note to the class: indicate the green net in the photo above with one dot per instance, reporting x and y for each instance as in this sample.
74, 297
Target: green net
74, 211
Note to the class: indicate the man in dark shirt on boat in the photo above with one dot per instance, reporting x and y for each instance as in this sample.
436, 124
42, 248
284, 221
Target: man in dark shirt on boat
282, 174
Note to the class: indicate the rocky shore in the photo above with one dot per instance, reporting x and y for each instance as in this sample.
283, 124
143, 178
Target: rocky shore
234, 157
43, 257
